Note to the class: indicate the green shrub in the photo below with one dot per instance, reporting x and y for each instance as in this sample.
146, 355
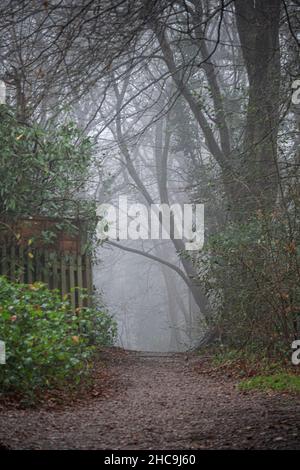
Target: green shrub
46, 344
251, 273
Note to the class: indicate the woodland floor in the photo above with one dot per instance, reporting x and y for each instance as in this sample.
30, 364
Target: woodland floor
143, 401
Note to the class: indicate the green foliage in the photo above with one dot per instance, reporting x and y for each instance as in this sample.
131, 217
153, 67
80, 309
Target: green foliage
251, 273
42, 170
102, 328
278, 382
47, 345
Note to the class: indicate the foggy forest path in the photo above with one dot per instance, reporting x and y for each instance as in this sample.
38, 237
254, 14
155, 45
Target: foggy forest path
154, 402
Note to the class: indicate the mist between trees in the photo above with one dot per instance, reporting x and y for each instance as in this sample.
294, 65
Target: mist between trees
171, 102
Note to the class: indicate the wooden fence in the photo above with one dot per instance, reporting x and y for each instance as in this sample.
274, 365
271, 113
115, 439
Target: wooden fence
59, 270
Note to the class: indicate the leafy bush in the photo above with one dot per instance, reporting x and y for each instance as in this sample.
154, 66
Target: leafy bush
44, 172
253, 279
97, 326
46, 345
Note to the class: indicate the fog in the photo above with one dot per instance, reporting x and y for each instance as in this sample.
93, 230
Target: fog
153, 307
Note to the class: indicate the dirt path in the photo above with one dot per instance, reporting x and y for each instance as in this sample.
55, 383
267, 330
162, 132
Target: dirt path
159, 403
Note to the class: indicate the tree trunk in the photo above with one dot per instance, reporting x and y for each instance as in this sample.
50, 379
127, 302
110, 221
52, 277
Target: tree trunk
258, 28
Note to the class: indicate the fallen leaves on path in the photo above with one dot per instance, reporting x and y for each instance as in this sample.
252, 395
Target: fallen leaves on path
139, 401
